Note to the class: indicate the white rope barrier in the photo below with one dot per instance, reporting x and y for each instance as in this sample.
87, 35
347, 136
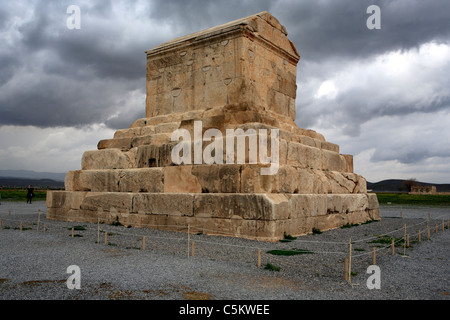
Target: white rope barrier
112, 220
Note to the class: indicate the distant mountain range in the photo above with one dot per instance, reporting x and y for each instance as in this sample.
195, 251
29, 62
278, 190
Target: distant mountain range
397, 185
32, 174
23, 178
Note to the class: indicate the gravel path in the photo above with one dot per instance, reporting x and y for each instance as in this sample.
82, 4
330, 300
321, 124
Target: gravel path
34, 264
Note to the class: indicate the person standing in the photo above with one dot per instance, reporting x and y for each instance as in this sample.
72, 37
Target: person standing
30, 194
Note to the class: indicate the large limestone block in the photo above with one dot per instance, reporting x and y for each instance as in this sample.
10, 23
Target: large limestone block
118, 143
333, 161
154, 155
92, 180
179, 179
227, 206
64, 200
126, 180
120, 202
304, 156
141, 180
108, 159
164, 204
156, 139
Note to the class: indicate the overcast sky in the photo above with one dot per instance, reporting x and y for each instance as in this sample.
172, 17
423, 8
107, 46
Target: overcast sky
382, 94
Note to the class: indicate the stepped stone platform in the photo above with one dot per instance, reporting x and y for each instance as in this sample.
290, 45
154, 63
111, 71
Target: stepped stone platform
237, 77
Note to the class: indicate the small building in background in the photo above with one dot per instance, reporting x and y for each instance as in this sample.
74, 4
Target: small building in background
423, 190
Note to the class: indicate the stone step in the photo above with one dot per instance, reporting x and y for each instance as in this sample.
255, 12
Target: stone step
262, 216
226, 178
236, 114
156, 151
133, 137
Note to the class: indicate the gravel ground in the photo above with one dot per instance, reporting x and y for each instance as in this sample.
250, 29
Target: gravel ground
34, 264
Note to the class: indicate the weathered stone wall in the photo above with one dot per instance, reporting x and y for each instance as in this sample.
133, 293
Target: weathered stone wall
253, 215
249, 60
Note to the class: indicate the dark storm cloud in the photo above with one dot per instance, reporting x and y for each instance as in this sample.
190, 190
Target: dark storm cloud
195, 15
85, 76
337, 29
53, 76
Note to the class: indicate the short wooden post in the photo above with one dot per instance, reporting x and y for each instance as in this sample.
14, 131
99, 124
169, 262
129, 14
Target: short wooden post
350, 262
407, 240
143, 243
189, 239
44, 228
98, 230
259, 258
374, 259
193, 248
428, 231
39, 219
443, 225
436, 228
106, 237
72, 232
393, 247
419, 236
346, 269
20, 226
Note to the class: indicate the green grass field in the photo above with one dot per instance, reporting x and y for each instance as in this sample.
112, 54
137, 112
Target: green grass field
414, 199
21, 195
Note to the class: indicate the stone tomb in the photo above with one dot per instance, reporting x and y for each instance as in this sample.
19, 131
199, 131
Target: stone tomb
240, 75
